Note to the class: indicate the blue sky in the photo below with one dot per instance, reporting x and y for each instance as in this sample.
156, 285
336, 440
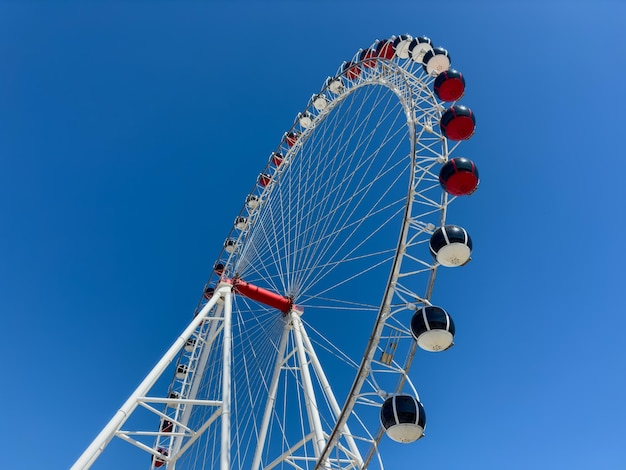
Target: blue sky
130, 133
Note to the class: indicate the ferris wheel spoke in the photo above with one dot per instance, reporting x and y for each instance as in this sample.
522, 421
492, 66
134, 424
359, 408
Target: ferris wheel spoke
345, 183
275, 217
329, 181
344, 233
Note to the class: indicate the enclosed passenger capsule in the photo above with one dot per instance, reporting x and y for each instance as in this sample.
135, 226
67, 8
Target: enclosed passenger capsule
252, 201
449, 85
368, 58
167, 426
319, 102
436, 60
403, 418
230, 245
305, 119
264, 179
459, 176
402, 46
451, 246
190, 344
157, 462
458, 123
419, 47
351, 71
175, 396
208, 292
432, 328
277, 158
335, 85
291, 138
218, 268
181, 371
241, 223
384, 49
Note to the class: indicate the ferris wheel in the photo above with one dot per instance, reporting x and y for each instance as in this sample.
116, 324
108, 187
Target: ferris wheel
299, 351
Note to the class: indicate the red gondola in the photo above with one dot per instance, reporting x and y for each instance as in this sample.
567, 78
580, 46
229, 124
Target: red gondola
157, 461
351, 70
291, 138
218, 268
264, 179
385, 50
458, 123
208, 292
167, 426
277, 158
368, 58
449, 85
459, 176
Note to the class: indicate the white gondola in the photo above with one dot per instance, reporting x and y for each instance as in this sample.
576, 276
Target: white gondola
403, 418
175, 396
190, 344
181, 371
305, 119
319, 102
335, 85
252, 201
436, 60
241, 223
433, 329
402, 45
419, 47
451, 246
230, 245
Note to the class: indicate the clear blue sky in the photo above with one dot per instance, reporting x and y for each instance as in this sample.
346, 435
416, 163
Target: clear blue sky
130, 132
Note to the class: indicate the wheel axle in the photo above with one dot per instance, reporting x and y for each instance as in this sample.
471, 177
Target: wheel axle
261, 295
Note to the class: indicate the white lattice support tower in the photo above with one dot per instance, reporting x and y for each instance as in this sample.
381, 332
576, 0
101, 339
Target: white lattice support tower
271, 398
114, 425
177, 446
226, 380
309, 394
328, 391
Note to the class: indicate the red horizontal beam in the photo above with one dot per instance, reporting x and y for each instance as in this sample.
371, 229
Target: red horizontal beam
264, 296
